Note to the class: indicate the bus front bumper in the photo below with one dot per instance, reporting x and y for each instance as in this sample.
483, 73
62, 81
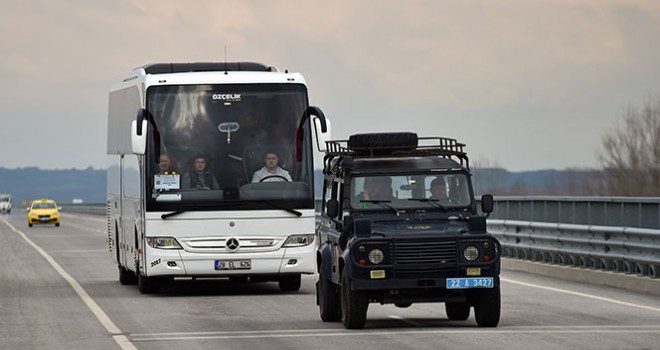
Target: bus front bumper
180, 263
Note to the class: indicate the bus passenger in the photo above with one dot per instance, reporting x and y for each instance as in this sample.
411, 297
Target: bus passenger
200, 178
165, 165
271, 171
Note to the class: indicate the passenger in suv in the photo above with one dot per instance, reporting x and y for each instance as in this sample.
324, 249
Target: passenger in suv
376, 189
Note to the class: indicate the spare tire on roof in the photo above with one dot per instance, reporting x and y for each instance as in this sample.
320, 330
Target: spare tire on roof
383, 141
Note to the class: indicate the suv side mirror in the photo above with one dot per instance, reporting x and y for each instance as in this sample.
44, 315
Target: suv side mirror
332, 208
487, 203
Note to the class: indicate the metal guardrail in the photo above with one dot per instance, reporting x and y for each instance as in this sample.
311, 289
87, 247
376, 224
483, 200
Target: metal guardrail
642, 212
91, 208
620, 234
619, 249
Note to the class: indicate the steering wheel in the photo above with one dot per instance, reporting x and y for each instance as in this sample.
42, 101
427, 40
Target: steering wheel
273, 176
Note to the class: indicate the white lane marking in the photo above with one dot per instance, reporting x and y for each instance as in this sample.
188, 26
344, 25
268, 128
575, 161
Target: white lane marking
584, 295
103, 318
405, 320
300, 333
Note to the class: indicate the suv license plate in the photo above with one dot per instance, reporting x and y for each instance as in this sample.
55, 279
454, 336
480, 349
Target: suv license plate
466, 283
233, 264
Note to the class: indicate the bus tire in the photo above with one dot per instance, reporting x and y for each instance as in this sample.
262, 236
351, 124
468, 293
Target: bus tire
126, 277
148, 285
289, 283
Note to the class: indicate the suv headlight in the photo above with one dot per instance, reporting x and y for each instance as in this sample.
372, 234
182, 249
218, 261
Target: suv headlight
163, 243
471, 253
298, 240
376, 256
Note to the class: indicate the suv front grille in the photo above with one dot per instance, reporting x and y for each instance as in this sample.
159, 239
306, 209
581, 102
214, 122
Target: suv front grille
424, 254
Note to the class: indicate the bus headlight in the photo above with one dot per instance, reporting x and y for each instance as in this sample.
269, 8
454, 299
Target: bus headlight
163, 243
298, 240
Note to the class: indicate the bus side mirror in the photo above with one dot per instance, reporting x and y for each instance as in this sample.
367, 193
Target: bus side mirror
320, 136
138, 134
332, 208
487, 203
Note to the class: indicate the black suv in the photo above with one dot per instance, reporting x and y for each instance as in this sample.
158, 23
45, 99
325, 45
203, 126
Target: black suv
399, 225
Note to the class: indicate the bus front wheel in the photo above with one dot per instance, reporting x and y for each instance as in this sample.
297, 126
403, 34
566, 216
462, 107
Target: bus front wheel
289, 283
126, 276
148, 285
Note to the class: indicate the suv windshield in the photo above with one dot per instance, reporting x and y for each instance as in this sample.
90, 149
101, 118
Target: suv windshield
415, 191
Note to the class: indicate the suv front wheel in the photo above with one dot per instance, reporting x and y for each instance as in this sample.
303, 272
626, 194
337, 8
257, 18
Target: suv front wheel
487, 307
328, 299
354, 304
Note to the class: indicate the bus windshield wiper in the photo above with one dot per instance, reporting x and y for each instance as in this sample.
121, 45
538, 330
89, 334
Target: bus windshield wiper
430, 200
167, 215
382, 203
289, 210
230, 203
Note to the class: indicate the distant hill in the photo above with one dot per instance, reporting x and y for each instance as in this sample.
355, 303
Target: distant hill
61, 185
90, 184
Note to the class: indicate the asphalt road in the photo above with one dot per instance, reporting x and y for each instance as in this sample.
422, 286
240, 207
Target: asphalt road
59, 290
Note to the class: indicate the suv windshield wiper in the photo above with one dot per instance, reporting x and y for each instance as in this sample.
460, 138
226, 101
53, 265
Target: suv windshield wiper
382, 203
430, 200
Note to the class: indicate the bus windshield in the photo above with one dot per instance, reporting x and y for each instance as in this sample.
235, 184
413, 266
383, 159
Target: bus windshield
223, 146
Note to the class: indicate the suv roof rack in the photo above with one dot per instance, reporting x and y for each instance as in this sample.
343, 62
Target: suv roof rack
396, 145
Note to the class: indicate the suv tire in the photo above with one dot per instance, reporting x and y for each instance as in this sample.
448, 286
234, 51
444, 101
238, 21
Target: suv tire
487, 308
328, 299
354, 304
457, 311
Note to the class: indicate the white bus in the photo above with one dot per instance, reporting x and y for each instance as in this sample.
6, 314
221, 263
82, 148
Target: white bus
187, 220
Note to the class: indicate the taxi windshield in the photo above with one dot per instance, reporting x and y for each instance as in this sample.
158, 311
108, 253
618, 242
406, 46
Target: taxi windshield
43, 205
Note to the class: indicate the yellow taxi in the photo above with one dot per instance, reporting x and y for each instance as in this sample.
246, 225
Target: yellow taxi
43, 211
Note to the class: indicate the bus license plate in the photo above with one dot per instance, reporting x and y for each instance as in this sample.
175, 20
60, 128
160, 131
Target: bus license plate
466, 283
233, 264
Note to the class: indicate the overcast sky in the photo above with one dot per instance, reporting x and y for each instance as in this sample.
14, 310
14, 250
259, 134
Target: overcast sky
526, 85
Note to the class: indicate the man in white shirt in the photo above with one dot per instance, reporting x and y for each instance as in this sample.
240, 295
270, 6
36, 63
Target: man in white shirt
271, 171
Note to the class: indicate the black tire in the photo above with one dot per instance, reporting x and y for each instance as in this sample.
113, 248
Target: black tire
238, 279
354, 304
29, 225
328, 297
457, 311
487, 308
148, 285
57, 224
126, 277
289, 283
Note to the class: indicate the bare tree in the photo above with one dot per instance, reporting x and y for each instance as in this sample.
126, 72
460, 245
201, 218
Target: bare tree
631, 153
